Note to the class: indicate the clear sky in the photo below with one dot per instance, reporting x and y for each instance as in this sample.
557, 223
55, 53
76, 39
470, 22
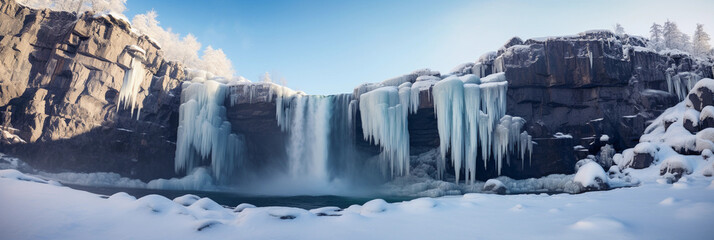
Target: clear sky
325, 47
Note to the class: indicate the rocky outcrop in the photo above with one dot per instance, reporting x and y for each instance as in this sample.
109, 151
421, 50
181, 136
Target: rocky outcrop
60, 77
589, 85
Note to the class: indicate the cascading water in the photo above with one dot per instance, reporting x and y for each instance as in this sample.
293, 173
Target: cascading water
319, 147
307, 123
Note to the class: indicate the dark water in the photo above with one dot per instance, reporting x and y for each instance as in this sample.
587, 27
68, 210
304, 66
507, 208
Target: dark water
233, 199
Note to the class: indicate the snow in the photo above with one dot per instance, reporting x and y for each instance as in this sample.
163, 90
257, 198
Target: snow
589, 174
646, 147
604, 138
650, 211
561, 135
129, 91
707, 113
136, 48
199, 179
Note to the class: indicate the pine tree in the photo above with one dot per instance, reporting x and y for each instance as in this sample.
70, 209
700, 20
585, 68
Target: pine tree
673, 38
700, 42
656, 37
619, 30
670, 34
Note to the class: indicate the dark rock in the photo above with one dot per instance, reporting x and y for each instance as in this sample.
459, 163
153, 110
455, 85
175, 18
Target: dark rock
642, 160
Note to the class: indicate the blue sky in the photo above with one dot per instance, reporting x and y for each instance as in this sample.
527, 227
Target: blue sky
325, 47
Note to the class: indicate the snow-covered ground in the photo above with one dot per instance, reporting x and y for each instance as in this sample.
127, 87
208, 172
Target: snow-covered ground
35, 209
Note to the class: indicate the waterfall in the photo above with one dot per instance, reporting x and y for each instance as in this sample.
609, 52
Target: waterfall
308, 126
319, 148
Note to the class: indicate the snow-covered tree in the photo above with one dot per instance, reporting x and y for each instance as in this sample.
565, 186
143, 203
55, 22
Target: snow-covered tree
673, 38
215, 61
656, 41
184, 50
619, 30
116, 6
266, 78
700, 42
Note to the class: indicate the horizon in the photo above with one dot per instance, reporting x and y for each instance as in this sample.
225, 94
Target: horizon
321, 47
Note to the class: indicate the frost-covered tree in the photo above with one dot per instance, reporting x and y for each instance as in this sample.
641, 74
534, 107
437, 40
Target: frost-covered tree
619, 30
656, 41
671, 35
184, 50
116, 6
266, 78
700, 42
215, 61
673, 38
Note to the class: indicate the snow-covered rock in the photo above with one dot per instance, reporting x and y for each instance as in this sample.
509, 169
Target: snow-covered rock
495, 186
591, 176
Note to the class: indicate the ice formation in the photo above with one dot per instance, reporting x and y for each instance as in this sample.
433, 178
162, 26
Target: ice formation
131, 85
680, 84
204, 132
384, 113
470, 111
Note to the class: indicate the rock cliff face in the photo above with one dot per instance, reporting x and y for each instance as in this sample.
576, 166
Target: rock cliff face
60, 77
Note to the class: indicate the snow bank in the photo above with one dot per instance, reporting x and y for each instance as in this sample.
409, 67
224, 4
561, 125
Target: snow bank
597, 215
591, 175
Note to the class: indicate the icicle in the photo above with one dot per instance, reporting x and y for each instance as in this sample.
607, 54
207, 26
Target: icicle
131, 85
449, 109
204, 131
472, 100
384, 122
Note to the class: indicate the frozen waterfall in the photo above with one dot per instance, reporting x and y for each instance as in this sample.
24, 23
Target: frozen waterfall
384, 113
471, 112
204, 133
131, 85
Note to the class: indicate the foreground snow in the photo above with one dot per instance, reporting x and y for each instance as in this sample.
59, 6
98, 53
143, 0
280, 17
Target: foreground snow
33, 209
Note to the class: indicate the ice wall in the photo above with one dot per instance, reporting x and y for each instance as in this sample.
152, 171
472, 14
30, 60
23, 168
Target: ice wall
204, 134
471, 122
131, 85
471, 113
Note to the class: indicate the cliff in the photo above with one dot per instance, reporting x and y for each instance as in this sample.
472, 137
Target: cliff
60, 77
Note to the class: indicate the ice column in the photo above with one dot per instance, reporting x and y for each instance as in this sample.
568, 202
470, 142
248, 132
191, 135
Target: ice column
384, 113
204, 132
131, 85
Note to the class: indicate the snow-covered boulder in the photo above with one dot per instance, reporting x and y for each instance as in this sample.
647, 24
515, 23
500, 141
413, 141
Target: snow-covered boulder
701, 94
375, 206
643, 155
591, 177
495, 186
243, 206
676, 166
187, 200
